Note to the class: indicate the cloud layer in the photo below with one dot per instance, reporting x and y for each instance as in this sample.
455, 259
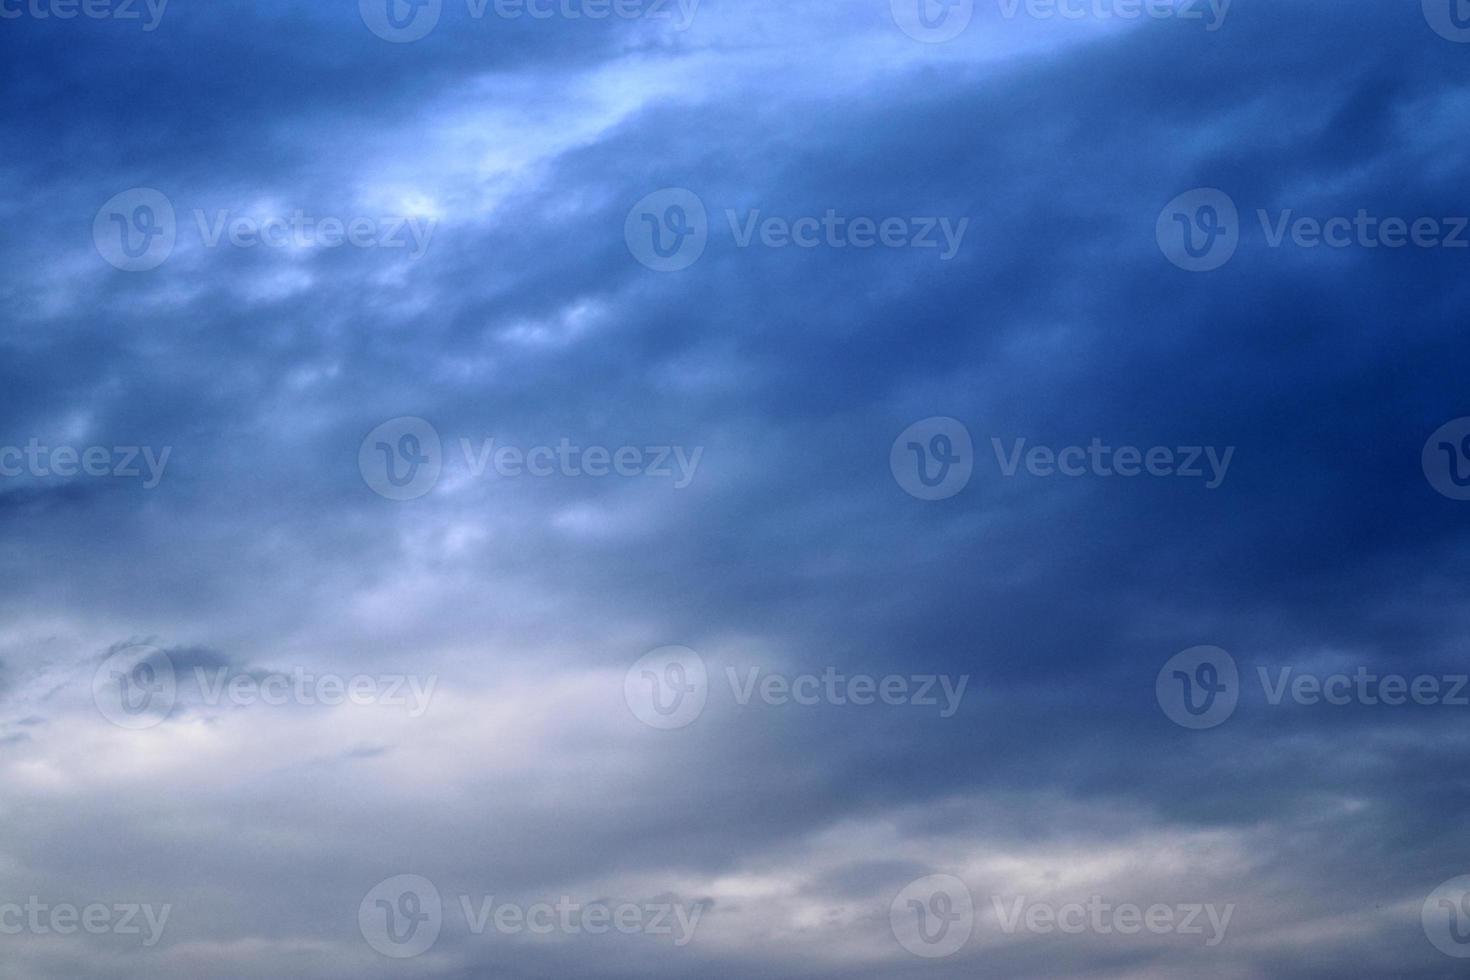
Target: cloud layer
267, 557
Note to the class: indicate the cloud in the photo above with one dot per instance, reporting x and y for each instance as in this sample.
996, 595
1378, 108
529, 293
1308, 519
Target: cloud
262, 552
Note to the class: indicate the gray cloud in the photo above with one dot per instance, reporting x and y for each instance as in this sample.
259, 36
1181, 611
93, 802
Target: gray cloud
262, 550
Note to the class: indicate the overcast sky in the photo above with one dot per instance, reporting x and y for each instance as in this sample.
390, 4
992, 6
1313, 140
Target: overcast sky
424, 455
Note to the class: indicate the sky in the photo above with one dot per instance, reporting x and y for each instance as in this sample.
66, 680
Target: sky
655, 488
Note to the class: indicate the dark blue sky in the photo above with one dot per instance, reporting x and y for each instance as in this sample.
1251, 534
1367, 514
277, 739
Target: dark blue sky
560, 242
